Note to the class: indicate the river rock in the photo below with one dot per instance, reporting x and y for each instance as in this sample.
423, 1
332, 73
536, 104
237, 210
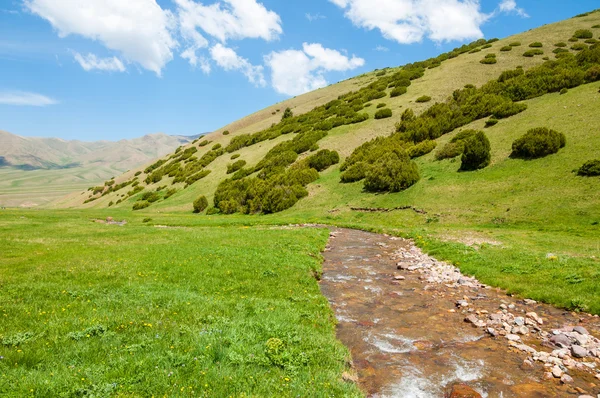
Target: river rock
462, 391
578, 351
399, 277
492, 332
535, 317
581, 330
519, 321
566, 379
513, 337
403, 266
557, 371
561, 340
582, 339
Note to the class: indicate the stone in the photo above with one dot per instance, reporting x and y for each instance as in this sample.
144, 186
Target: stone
581, 330
557, 372
403, 266
561, 340
503, 306
566, 379
585, 396
582, 339
399, 277
519, 321
530, 302
535, 317
547, 376
462, 303
462, 391
513, 337
578, 351
525, 348
492, 332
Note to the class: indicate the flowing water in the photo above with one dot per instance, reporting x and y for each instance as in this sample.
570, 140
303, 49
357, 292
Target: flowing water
408, 340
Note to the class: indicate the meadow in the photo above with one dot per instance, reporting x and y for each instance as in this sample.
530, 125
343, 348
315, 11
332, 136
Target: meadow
91, 309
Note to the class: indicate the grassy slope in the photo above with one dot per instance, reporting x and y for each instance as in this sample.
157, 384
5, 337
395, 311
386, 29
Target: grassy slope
92, 309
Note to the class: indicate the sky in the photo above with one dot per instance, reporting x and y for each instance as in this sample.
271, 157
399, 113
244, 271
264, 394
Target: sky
114, 69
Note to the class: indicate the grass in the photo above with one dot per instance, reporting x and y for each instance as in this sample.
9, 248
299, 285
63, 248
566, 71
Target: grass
98, 310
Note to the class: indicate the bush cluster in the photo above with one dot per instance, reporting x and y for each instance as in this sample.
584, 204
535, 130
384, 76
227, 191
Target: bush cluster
456, 145
583, 34
398, 91
536, 44
506, 48
235, 166
421, 149
380, 105
323, 159
383, 113
477, 152
537, 143
533, 53
393, 172
423, 98
200, 204
590, 168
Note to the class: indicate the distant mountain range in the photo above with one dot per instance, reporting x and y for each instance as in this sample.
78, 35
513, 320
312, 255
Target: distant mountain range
29, 153
35, 171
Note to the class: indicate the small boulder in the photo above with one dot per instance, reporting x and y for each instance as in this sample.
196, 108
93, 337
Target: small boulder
566, 379
578, 351
557, 372
561, 340
513, 337
462, 391
581, 330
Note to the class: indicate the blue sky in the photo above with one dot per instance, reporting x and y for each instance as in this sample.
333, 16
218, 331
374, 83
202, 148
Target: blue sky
112, 69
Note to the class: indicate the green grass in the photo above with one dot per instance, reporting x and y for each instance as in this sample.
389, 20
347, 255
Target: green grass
90, 309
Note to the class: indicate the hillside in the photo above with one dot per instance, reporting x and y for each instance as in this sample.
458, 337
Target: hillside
439, 79
35, 171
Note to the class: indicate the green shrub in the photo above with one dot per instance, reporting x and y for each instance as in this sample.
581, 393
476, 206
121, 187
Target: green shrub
591, 41
146, 220
583, 34
235, 166
450, 150
140, 205
486, 46
560, 50
491, 122
475, 50
170, 193
421, 149
137, 173
578, 47
383, 113
506, 48
287, 114
488, 61
398, 91
515, 44
226, 132
573, 39
212, 211
200, 204
391, 173
216, 147
477, 152
596, 27
354, 173
111, 203
235, 156
590, 168
490, 55
381, 73
592, 74
423, 98
323, 159
564, 91
561, 44
533, 53
380, 105
536, 44
203, 143
537, 143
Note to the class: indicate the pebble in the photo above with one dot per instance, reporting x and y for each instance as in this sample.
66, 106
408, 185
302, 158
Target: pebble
557, 372
399, 277
566, 379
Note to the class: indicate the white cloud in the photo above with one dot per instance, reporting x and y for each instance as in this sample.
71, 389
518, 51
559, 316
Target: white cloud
382, 48
140, 30
229, 20
511, 6
409, 21
228, 59
90, 62
295, 72
24, 98
314, 17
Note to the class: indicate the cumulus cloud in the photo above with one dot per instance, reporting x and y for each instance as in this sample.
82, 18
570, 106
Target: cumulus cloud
90, 62
229, 20
511, 6
24, 98
228, 59
140, 30
295, 72
409, 21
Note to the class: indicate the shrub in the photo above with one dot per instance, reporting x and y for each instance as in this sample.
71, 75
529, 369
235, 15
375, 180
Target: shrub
591, 41
146, 220
287, 114
383, 113
583, 34
488, 61
233, 157
578, 47
506, 48
170, 193
212, 210
393, 172
450, 150
491, 122
323, 159
137, 173
140, 205
590, 168
398, 91
200, 204
564, 90
423, 98
596, 27
226, 132
592, 74
536, 44
573, 39
515, 44
561, 44
533, 53
235, 166
203, 143
356, 172
421, 149
380, 105
490, 55
216, 147
475, 50
111, 203
477, 152
560, 50
537, 143
486, 46
150, 197
381, 73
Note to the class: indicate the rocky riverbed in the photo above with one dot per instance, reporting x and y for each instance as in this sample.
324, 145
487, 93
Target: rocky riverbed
417, 327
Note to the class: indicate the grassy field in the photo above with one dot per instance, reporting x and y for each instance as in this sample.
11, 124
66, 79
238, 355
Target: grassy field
90, 309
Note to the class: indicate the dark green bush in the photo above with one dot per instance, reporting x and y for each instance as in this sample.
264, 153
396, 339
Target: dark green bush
383, 113
140, 205
509, 74
354, 173
592, 74
200, 204
475, 50
583, 34
537, 143
380, 105
591, 41
560, 50
486, 46
137, 173
561, 44
203, 143
506, 48
450, 150
226, 132
590, 168
564, 91
216, 147
573, 39
323, 159
235, 156
397, 91
578, 47
491, 122
596, 27
170, 192
423, 98
477, 152
212, 211
146, 220
488, 61
533, 53
536, 44
391, 173
151, 197
490, 55
421, 149
287, 114
235, 166
515, 44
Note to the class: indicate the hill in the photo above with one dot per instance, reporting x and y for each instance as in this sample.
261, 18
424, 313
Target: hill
39, 170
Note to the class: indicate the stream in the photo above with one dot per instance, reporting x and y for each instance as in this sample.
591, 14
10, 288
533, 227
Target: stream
409, 336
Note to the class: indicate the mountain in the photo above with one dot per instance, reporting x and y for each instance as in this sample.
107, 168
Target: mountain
38, 170
544, 77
